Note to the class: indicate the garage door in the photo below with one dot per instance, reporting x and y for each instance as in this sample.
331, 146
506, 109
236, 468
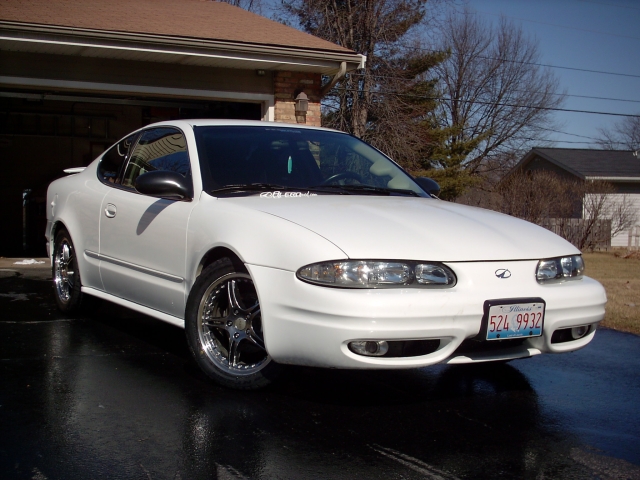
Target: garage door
41, 135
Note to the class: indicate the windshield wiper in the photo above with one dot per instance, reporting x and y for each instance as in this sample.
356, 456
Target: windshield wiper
251, 187
365, 189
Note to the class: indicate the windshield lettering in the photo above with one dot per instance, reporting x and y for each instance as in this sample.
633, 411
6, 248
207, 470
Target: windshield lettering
278, 194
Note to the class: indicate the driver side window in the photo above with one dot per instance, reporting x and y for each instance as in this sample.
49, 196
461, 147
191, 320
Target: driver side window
158, 149
113, 160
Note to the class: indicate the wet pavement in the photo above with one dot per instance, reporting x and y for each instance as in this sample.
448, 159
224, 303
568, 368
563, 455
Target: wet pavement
115, 395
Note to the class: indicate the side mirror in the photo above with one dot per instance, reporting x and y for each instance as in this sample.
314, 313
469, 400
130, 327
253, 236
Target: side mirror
164, 184
428, 185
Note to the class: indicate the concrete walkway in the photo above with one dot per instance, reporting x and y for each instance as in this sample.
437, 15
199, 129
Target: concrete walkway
25, 267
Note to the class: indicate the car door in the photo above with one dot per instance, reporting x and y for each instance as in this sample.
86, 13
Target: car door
143, 238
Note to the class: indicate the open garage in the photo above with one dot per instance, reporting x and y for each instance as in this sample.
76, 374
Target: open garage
75, 77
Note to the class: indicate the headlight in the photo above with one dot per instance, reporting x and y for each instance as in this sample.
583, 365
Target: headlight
555, 270
378, 274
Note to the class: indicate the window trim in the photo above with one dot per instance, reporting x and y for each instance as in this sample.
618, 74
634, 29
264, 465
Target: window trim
118, 177
120, 186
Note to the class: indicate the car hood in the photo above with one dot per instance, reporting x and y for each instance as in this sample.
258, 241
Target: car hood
376, 227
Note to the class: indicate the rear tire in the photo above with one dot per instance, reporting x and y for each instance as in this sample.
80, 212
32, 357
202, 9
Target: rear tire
66, 275
223, 325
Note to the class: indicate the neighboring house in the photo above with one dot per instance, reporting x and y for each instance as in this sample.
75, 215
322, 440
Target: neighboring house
620, 168
77, 75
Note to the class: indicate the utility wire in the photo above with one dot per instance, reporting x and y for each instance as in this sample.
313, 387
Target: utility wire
554, 141
498, 104
595, 98
611, 4
566, 133
550, 93
603, 72
559, 26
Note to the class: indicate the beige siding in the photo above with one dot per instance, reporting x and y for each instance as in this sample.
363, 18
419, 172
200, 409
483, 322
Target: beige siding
621, 239
83, 69
632, 200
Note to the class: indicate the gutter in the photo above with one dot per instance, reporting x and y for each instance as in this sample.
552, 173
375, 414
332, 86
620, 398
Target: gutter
341, 73
615, 179
39, 33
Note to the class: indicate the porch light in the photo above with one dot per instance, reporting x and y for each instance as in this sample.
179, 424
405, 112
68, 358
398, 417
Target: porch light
302, 103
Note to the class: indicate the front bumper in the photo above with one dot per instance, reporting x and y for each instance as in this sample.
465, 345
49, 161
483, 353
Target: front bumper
312, 325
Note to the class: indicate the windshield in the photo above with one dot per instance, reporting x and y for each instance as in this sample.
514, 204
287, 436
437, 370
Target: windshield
240, 159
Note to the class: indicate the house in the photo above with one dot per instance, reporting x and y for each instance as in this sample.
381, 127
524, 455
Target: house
77, 75
618, 167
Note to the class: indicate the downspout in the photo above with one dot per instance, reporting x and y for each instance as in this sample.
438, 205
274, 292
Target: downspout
341, 73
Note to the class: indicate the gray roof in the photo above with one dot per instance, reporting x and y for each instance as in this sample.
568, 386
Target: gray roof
590, 163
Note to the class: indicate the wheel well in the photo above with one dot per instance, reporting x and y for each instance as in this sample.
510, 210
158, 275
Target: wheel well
54, 231
216, 254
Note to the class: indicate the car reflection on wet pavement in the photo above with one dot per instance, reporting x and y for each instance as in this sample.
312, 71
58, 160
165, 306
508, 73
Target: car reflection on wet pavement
116, 395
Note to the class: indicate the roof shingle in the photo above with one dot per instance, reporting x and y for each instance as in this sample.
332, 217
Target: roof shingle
203, 19
593, 163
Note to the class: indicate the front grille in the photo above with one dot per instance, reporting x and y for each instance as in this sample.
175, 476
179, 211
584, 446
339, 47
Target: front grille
411, 348
480, 346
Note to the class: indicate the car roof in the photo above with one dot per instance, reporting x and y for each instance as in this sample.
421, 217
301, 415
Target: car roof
236, 123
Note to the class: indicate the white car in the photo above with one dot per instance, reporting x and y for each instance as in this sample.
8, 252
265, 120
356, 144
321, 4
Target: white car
280, 244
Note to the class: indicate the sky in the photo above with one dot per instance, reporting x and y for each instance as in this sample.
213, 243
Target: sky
602, 35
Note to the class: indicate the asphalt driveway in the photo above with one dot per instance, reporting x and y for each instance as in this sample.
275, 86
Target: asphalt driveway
116, 395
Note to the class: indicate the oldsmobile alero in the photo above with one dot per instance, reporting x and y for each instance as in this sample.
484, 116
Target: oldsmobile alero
276, 244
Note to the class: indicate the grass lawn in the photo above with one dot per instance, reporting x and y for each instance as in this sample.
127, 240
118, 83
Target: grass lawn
621, 279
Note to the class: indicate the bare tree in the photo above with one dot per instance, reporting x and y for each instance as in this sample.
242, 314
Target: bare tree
583, 212
537, 195
496, 98
390, 102
623, 135
374, 28
450, 112
400, 117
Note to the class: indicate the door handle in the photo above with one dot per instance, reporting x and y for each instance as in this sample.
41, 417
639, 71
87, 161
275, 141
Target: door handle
111, 210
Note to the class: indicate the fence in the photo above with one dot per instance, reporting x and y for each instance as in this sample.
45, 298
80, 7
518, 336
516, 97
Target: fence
583, 233
634, 238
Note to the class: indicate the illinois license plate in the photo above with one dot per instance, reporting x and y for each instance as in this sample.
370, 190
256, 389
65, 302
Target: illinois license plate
515, 320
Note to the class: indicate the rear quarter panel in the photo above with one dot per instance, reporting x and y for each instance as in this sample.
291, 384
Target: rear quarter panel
74, 203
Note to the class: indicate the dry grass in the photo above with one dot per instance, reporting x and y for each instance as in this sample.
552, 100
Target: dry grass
620, 275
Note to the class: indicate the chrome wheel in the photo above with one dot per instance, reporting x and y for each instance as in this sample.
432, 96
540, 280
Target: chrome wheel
64, 270
230, 327
67, 286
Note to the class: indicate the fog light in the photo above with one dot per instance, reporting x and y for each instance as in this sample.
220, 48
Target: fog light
579, 332
369, 348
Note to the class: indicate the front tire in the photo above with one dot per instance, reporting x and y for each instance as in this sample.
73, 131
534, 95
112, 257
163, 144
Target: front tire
66, 275
223, 325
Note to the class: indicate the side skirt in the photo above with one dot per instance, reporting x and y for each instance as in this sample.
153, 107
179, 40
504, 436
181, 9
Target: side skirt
178, 322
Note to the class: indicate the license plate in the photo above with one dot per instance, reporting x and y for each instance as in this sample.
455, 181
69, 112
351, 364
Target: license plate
515, 320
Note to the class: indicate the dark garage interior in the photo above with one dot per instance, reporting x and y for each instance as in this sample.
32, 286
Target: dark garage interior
41, 134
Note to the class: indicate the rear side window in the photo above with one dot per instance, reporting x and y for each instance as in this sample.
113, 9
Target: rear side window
158, 149
113, 160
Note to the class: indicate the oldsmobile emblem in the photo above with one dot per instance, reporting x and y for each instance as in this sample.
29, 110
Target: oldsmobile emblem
503, 273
